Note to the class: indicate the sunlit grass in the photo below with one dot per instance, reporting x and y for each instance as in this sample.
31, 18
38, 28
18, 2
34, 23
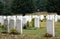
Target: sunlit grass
41, 31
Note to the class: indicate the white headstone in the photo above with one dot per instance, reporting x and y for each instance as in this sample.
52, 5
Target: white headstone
59, 17
11, 24
6, 22
41, 17
24, 21
36, 22
47, 17
8, 18
56, 18
19, 25
50, 17
27, 18
50, 27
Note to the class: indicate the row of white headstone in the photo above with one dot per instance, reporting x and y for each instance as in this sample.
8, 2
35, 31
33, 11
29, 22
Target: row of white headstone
41, 17
12, 22
17, 22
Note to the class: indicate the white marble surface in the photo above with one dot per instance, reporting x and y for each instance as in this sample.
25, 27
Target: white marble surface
50, 27
36, 22
19, 25
41, 17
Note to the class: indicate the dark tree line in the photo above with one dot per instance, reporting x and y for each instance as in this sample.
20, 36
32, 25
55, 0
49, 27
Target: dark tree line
11, 7
53, 6
23, 6
1, 8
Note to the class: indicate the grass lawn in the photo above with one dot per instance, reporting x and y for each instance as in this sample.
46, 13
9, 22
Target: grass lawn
41, 31
34, 34
57, 28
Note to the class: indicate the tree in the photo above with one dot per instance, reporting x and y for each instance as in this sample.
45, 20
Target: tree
57, 6
50, 6
5, 7
23, 6
53, 6
41, 5
1, 8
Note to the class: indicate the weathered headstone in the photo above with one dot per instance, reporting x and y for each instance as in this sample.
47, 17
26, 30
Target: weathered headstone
50, 27
19, 25
5, 22
8, 18
36, 22
11, 24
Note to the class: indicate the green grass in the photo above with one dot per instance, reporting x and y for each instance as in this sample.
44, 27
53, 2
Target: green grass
57, 28
41, 31
34, 34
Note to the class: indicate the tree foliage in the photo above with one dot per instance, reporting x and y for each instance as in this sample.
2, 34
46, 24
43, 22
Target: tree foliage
1, 8
11, 7
23, 6
53, 6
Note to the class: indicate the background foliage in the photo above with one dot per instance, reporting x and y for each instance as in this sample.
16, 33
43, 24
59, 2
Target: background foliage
10, 7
